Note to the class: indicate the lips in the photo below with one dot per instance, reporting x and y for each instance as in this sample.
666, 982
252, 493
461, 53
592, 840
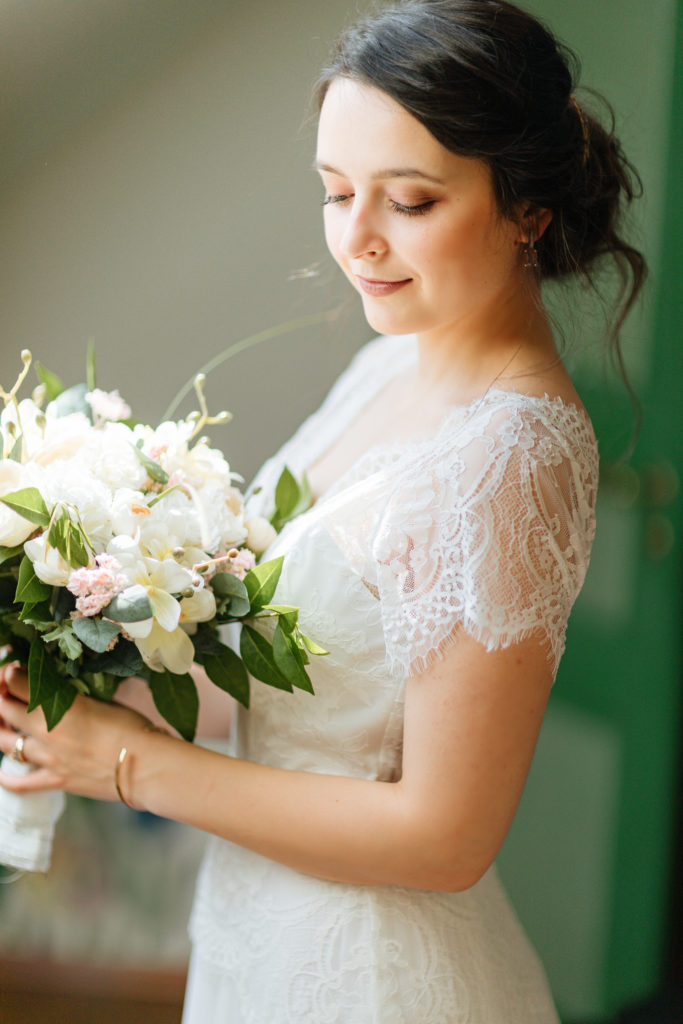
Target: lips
379, 288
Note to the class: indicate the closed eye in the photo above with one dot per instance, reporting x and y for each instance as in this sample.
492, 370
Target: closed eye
335, 199
412, 211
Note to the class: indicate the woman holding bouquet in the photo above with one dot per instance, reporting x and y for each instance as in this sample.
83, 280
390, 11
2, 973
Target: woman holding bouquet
351, 876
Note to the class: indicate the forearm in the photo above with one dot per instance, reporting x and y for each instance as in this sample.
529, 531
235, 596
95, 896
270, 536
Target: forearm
339, 828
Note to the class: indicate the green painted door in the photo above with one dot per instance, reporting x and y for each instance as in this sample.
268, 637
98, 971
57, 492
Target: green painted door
589, 860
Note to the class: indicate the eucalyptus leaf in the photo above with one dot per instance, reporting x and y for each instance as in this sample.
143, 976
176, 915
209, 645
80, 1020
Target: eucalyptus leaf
30, 590
123, 660
131, 605
48, 689
227, 671
257, 655
156, 472
96, 634
72, 400
28, 503
176, 700
53, 384
225, 584
289, 661
261, 582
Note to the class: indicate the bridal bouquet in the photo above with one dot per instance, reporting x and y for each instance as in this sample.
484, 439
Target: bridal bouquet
124, 548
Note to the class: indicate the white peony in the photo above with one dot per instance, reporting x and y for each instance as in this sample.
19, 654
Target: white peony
260, 534
14, 529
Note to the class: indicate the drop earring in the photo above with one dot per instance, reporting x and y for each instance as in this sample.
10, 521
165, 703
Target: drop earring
530, 253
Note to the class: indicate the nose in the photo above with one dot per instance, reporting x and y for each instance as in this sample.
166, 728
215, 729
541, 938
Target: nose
361, 236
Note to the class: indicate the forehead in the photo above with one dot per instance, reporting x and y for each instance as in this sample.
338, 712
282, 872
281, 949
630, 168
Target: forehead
362, 130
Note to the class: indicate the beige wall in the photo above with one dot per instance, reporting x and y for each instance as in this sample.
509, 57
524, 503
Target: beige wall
157, 197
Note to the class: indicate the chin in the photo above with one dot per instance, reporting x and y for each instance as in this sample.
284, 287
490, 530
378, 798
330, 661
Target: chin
387, 321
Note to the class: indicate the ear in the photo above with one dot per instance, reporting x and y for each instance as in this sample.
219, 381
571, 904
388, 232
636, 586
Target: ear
536, 217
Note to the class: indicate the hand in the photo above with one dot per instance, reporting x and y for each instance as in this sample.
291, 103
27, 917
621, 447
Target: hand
79, 755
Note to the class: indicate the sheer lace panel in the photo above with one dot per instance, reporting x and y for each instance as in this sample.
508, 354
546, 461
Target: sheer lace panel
487, 527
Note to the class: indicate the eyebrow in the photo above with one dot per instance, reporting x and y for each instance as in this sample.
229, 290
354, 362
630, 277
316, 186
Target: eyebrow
389, 172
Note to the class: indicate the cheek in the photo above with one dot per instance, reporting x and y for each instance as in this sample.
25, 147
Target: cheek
333, 234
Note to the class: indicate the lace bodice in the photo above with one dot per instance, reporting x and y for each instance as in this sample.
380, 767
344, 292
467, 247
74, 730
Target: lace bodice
485, 528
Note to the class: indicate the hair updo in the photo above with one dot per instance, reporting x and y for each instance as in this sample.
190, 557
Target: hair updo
490, 81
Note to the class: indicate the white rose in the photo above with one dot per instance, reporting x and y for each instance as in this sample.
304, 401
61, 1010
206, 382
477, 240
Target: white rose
260, 534
14, 529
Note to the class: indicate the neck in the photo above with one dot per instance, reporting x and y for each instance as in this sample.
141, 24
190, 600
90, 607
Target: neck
511, 336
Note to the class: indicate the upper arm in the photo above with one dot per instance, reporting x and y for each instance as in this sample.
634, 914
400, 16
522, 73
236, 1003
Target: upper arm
471, 724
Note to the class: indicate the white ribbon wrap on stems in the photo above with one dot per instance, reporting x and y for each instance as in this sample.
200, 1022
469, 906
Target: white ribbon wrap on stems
27, 822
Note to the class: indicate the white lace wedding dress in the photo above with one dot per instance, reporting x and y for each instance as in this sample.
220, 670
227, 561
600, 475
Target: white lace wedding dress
485, 528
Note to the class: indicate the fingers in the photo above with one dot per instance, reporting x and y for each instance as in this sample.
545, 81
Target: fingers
31, 751
15, 680
13, 713
33, 782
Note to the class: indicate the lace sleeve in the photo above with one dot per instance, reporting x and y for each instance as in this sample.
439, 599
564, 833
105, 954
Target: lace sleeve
490, 535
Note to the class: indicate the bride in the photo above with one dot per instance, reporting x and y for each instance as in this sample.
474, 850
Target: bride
351, 876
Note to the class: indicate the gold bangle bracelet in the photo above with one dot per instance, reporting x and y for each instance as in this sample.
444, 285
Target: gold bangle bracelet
123, 753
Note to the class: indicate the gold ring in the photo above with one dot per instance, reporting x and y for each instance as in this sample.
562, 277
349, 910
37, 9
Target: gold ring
18, 750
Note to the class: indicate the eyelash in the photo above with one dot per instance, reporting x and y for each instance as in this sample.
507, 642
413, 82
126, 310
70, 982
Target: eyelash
408, 211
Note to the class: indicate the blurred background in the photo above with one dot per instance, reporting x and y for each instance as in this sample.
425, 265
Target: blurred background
156, 197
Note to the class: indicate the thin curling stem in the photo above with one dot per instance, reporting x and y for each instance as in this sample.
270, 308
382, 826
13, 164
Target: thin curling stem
246, 343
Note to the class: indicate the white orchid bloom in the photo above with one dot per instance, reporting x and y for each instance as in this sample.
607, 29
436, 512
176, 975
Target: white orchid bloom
159, 638
48, 564
161, 649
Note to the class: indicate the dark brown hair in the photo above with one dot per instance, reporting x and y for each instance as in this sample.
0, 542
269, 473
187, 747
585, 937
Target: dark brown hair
490, 81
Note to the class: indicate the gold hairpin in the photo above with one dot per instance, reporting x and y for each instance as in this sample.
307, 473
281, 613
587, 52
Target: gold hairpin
584, 129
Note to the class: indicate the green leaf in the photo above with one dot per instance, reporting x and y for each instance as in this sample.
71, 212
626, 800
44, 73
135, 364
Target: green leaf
312, 646
53, 385
287, 494
68, 643
30, 590
257, 655
16, 450
261, 582
131, 605
29, 504
227, 671
72, 400
224, 584
68, 539
157, 497
176, 700
96, 634
289, 661
37, 614
156, 472
48, 689
287, 615
205, 642
7, 553
90, 375
123, 660
101, 685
